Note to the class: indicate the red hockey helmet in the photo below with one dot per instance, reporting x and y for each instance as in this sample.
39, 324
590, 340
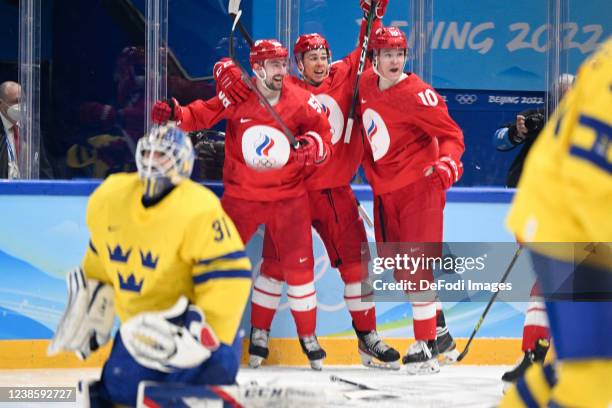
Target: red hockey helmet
388, 37
266, 49
308, 42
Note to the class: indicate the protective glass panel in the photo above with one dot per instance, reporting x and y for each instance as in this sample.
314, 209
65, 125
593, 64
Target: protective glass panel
488, 61
10, 95
91, 70
494, 63
92, 100
198, 36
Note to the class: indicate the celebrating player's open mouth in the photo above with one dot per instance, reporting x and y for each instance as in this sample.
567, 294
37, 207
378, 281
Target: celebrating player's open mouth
273, 73
391, 63
277, 82
314, 63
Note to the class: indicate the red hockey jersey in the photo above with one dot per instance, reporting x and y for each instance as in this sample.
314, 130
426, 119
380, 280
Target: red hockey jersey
407, 127
334, 95
260, 163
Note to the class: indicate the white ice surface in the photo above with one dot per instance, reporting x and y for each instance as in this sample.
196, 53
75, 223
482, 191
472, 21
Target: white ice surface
455, 386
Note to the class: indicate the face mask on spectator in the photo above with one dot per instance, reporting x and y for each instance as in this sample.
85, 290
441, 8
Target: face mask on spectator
14, 113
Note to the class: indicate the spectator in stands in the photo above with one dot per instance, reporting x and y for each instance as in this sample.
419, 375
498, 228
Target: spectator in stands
525, 130
10, 94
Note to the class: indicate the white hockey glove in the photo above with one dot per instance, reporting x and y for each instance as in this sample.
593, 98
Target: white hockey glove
88, 319
170, 340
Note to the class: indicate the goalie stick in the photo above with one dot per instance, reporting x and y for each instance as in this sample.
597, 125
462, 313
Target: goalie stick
503, 279
234, 9
362, 58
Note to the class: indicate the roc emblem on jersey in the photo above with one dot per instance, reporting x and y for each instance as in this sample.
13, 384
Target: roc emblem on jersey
377, 133
332, 110
265, 148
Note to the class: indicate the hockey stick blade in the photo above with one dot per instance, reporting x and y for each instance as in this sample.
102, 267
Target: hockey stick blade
362, 57
247, 80
484, 314
364, 392
335, 378
364, 215
233, 9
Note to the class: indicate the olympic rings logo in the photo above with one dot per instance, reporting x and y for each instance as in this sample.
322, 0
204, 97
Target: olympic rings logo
264, 163
465, 99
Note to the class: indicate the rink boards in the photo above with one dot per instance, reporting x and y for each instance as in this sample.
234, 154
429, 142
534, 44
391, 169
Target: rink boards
43, 234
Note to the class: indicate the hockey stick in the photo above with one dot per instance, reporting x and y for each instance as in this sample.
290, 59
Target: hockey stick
234, 8
335, 378
364, 215
362, 58
503, 279
372, 395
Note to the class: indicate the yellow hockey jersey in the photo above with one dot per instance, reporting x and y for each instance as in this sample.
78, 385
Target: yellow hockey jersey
183, 245
565, 192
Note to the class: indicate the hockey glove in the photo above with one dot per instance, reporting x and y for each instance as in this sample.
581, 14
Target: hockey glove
312, 150
381, 7
170, 340
166, 110
230, 88
445, 171
88, 319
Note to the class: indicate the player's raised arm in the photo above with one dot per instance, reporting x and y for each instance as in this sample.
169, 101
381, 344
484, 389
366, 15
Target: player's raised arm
204, 114
381, 7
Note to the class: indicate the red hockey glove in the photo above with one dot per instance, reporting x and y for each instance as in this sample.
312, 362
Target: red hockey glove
230, 88
381, 7
166, 110
312, 150
446, 171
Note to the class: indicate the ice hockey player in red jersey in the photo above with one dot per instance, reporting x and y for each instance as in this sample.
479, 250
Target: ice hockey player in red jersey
333, 207
263, 174
412, 157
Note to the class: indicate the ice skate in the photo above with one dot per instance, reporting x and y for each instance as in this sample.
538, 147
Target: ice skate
531, 356
258, 346
446, 346
314, 352
422, 358
374, 352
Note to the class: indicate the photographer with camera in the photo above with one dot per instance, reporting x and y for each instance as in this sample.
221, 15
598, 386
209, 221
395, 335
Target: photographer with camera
525, 130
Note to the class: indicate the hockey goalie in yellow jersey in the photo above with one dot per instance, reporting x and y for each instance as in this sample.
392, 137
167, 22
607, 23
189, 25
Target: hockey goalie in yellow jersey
562, 213
164, 257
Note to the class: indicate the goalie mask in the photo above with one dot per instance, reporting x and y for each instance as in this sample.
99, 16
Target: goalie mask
164, 158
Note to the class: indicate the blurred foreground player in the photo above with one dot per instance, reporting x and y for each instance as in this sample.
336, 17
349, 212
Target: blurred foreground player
536, 338
413, 156
333, 206
169, 259
263, 174
564, 197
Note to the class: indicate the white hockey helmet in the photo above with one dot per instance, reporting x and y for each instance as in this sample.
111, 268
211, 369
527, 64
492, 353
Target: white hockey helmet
164, 157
